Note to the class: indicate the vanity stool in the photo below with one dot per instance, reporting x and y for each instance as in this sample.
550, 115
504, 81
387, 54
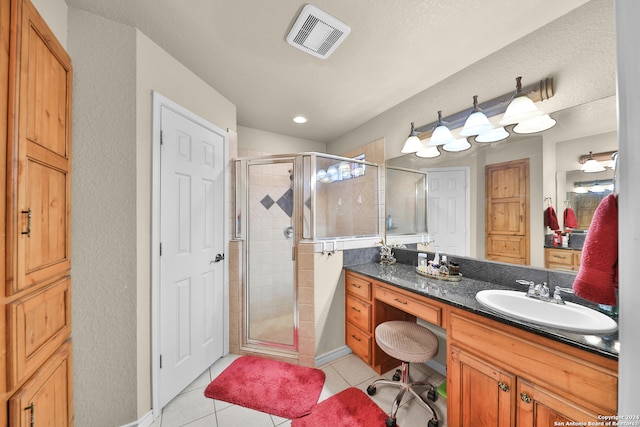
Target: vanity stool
410, 343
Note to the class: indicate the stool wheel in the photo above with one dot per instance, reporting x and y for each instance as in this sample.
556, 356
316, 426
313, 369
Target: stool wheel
396, 376
392, 423
371, 390
433, 423
432, 395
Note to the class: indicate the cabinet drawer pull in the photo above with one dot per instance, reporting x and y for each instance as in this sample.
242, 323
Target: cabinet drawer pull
28, 232
525, 398
355, 309
502, 386
356, 338
400, 301
31, 409
356, 286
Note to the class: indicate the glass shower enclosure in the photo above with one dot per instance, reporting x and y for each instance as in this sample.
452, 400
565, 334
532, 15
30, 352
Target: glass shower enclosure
279, 202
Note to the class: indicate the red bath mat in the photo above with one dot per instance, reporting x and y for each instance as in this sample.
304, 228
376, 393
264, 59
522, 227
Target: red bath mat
349, 408
277, 388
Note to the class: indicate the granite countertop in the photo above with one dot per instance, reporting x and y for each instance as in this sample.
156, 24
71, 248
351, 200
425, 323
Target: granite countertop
562, 247
462, 295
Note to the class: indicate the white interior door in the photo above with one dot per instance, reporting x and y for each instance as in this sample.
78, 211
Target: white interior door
192, 247
448, 211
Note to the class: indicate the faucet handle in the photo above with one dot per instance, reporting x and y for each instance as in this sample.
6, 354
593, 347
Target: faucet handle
529, 283
557, 296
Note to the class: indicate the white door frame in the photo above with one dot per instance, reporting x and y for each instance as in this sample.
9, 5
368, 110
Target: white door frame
159, 101
467, 192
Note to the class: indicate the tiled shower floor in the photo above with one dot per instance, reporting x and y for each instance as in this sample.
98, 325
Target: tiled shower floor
190, 408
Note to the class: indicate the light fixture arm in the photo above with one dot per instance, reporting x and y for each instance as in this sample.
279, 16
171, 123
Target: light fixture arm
539, 91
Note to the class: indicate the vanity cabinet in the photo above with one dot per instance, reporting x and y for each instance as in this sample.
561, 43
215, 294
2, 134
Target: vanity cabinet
499, 375
362, 315
562, 259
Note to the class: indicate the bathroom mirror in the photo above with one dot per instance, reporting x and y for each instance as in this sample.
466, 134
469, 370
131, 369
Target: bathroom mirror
553, 154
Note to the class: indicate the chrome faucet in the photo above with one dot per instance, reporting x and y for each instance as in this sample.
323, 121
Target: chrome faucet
539, 291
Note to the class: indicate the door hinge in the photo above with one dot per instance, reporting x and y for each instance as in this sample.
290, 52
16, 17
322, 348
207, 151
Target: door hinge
160, 248
160, 361
161, 138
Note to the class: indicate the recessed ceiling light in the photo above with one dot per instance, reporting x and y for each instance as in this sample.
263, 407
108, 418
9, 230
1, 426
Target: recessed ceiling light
300, 119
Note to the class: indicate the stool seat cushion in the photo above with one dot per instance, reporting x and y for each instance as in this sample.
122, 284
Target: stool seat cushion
406, 341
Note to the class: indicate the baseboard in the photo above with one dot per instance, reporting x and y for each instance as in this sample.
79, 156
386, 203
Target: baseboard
336, 354
145, 421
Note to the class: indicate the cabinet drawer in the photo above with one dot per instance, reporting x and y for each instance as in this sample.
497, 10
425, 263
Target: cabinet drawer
38, 324
359, 343
358, 313
358, 286
424, 311
560, 257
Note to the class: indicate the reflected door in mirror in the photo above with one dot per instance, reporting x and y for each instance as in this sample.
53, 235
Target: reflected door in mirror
507, 205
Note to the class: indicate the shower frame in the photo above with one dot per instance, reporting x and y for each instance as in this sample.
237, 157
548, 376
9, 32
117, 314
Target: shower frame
304, 184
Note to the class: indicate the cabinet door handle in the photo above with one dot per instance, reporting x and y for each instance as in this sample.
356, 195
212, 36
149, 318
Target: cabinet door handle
502, 386
356, 286
400, 301
31, 409
28, 232
356, 338
525, 398
355, 309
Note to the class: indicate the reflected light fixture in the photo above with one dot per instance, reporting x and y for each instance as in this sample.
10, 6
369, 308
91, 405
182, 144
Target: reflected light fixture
477, 123
597, 188
441, 134
520, 108
592, 165
457, 145
537, 124
413, 144
495, 135
580, 189
428, 152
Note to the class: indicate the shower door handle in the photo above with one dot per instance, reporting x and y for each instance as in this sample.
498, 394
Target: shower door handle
219, 257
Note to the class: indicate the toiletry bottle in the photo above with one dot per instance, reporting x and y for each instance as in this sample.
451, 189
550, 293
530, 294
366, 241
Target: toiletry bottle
436, 260
422, 262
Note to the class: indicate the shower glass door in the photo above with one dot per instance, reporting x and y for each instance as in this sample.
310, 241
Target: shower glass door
270, 298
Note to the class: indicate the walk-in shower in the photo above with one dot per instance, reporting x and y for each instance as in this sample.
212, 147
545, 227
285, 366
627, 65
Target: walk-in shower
279, 202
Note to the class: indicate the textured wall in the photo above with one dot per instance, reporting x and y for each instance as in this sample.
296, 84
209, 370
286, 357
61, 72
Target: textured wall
115, 69
103, 220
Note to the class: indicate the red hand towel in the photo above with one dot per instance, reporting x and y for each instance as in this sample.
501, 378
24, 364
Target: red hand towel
550, 219
597, 278
570, 220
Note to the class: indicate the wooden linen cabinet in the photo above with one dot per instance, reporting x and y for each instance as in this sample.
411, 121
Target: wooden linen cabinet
35, 81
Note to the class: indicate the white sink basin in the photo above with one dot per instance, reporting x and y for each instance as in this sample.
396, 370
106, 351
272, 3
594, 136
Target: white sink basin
568, 316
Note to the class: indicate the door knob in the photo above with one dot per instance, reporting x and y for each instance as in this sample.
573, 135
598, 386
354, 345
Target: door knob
219, 257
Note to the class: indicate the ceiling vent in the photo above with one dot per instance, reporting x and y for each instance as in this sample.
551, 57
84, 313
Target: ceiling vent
317, 33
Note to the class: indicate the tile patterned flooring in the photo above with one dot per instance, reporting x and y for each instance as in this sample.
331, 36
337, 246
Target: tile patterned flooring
191, 409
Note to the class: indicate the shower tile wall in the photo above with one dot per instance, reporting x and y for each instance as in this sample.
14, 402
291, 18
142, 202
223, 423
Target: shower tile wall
270, 209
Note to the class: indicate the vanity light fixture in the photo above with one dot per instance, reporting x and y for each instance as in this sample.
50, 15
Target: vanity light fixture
535, 125
597, 188
520, 108
477, 123
495, 135
428, 152
413, 144
441, 133
580, 189
457, 145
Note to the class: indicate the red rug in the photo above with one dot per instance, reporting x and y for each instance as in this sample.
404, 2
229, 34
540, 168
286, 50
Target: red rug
277, 388
349, 408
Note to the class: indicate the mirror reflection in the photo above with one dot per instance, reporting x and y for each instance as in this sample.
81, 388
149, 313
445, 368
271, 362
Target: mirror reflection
405, 201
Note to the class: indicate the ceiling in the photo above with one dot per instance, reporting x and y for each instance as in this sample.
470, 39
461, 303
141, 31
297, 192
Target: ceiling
395, 50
